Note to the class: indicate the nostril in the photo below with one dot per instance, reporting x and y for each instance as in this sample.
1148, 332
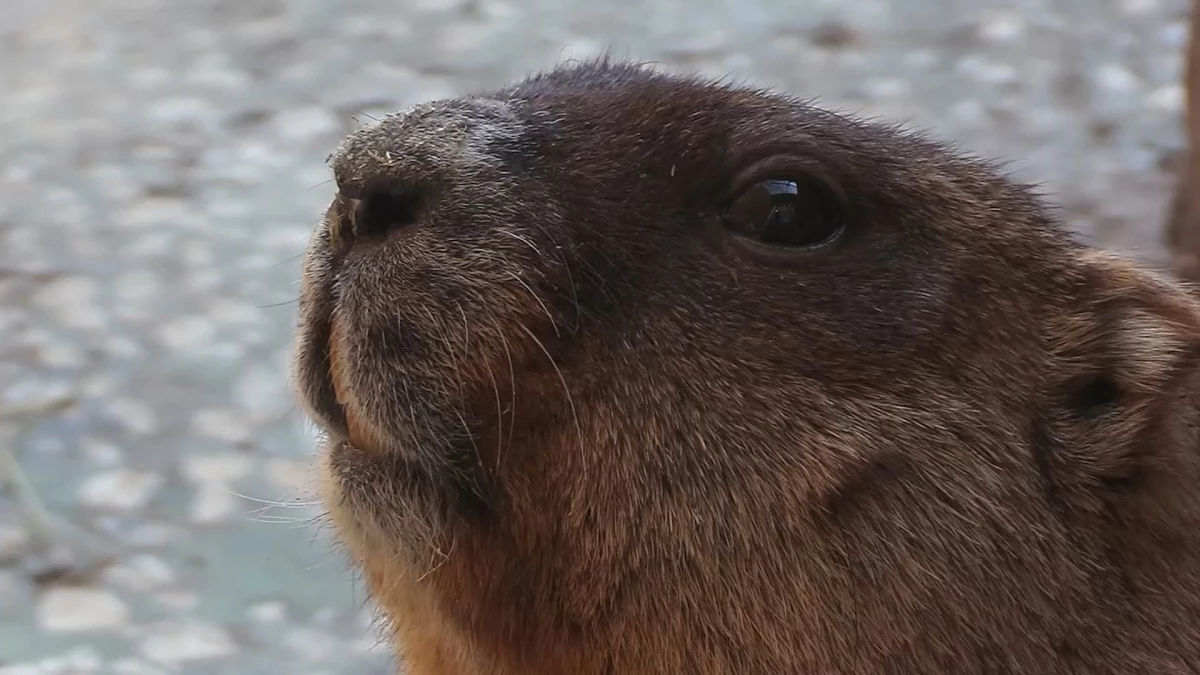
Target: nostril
378, 213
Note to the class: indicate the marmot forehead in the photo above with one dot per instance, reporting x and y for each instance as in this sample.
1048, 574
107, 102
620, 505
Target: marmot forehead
428, 141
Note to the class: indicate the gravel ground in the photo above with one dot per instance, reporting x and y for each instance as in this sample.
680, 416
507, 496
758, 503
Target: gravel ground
163, 162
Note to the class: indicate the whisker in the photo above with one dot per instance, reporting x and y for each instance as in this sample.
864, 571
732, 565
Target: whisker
512, 381
278, 304
284, 262
271, 503
545, 309
561, 379
521, 239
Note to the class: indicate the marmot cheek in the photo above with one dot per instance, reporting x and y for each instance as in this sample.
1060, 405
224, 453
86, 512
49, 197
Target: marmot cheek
362, 434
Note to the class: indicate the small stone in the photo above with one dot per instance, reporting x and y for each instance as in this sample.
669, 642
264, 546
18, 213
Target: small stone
132, 666
1139, 7
149, 213
293, 476
1002, 27
152, 535
174, 643
235, 313
887, 87
188, 333
68, 610
217, 468
141, 573
119, 490
312, 644
182, 111
262, 391
1168, 99
986, 70
67, 294
102, 453
57, 354
305, 123
213, 504
1116, 78
224, 425
1174, 35
180, 601
219, 78
136, 416
137, 287
12, 542
81, 659
969, 111
271, 611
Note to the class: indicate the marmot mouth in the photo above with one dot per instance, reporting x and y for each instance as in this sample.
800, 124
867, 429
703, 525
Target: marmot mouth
359, 432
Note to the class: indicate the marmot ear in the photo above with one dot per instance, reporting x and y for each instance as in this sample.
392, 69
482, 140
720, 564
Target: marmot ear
1125, 384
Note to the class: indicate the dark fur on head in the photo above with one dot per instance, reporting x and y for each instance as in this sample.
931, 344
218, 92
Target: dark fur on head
577, 426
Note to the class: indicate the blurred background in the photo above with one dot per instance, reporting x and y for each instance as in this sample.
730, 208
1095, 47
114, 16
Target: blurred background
162, 164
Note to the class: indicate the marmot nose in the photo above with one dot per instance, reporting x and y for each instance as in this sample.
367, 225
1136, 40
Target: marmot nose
376, 214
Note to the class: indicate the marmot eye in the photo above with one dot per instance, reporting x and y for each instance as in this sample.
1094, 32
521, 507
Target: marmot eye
784, 213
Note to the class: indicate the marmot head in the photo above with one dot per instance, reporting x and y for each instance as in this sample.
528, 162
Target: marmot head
609, 322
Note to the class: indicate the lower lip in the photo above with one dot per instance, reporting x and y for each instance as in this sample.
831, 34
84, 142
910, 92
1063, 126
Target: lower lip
357, 433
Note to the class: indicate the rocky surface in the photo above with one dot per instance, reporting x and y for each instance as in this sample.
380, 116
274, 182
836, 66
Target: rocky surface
163, 162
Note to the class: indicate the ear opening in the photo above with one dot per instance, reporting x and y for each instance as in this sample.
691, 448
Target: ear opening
1091, 395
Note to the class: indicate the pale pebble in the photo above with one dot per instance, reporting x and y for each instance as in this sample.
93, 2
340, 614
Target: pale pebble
887, 87
187, 333
226, 425
152, 244
219, 78
1002, 26
180, 642
132, 666
217, 468
57, 354
234, 313
294, 476
1168, 99
262, 390
1139, 7
312, 644
149, 213
196, 253
70, 609
136, 416
300, 124
270, 611
67, 295
152, 535
179, 111
1116, 78
102, 453
123, 348
119, 489
212, 504
179, 601
140, 574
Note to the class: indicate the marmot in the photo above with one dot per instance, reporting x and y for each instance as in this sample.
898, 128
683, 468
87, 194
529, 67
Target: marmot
630, 373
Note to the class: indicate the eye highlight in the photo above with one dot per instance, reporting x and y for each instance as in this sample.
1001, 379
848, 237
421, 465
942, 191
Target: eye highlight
784, 213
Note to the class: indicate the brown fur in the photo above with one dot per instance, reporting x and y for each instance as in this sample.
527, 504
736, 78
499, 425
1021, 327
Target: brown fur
577, 428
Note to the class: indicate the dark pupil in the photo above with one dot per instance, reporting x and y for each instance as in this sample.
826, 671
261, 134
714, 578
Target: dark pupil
782, 212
